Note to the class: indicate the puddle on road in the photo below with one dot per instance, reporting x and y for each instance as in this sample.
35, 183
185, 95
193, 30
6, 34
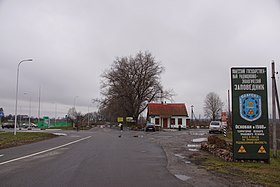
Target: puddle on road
182, 177
194, 150
180, 156
194, 146
199, 140
198, 133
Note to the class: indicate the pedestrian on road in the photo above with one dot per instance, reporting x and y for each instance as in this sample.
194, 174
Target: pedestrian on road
121, 128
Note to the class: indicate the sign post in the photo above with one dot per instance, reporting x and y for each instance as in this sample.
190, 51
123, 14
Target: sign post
1, 115
250, 113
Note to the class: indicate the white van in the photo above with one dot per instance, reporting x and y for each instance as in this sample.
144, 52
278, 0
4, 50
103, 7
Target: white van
215, 126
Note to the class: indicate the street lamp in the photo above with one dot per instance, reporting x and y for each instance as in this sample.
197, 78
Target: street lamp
27, 60
55, 113
88, 114
75, 101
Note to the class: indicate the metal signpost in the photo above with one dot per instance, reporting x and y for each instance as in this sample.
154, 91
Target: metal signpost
249, 113
1, 115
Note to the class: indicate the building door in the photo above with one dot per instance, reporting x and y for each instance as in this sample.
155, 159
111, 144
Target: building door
165, 123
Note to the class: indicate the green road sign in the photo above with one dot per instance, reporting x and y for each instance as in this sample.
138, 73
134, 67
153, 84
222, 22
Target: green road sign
249, 113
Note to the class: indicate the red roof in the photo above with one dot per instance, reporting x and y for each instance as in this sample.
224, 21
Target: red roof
167, 110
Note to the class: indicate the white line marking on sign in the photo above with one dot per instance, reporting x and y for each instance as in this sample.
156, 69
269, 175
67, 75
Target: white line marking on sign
41, 152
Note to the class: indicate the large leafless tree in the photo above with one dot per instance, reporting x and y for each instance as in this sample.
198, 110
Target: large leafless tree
130, 84
213, 105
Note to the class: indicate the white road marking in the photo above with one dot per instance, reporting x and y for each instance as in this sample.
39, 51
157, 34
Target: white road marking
41, 152
60, 134
1, 155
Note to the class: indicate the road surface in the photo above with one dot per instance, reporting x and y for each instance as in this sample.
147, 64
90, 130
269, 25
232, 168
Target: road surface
98, 157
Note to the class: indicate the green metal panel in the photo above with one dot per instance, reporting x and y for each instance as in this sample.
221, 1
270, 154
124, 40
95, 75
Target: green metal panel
47, 123
249, 113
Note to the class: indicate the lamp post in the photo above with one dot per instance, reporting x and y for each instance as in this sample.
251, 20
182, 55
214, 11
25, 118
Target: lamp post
55, 113
88, 114
75, 101
27, 60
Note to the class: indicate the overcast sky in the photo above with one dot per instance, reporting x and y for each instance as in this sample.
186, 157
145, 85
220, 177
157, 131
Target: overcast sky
72, 42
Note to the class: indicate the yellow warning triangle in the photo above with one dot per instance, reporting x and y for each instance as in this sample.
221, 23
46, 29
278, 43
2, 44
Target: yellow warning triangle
242, 149
262, 150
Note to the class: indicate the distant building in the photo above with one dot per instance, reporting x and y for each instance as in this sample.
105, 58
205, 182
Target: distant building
168, 115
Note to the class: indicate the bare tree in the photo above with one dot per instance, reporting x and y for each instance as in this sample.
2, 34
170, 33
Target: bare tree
74, 116
72, 113
131, 83
213, 105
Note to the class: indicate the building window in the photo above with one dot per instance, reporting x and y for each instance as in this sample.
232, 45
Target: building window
157, 121
179, 121
172, 122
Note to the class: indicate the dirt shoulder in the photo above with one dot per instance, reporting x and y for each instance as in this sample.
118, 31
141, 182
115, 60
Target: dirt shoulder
185, 158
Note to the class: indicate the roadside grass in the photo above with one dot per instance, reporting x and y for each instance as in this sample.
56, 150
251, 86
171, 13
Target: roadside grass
228, 137
260, 173
257, 172
8, 139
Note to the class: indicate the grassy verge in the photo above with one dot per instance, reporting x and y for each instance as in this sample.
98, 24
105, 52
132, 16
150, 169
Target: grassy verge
8, 139
260, 173
256, 172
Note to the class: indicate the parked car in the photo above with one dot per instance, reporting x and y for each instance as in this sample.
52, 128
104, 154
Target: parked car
150, 127
8, 125
26, 125
33, 125
215, 126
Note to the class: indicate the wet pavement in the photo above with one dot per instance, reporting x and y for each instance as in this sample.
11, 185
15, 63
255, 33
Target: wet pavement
180, 148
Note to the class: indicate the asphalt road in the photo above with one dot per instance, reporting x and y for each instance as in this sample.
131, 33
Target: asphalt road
98, 157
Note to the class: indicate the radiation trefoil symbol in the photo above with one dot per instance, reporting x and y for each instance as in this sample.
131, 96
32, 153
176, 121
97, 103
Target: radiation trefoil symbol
250, 107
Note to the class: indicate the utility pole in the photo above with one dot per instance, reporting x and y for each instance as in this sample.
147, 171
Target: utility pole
39, 107
229, 114
228, 104
88, 115
29, 122
55, 113
274, 141
192, 112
